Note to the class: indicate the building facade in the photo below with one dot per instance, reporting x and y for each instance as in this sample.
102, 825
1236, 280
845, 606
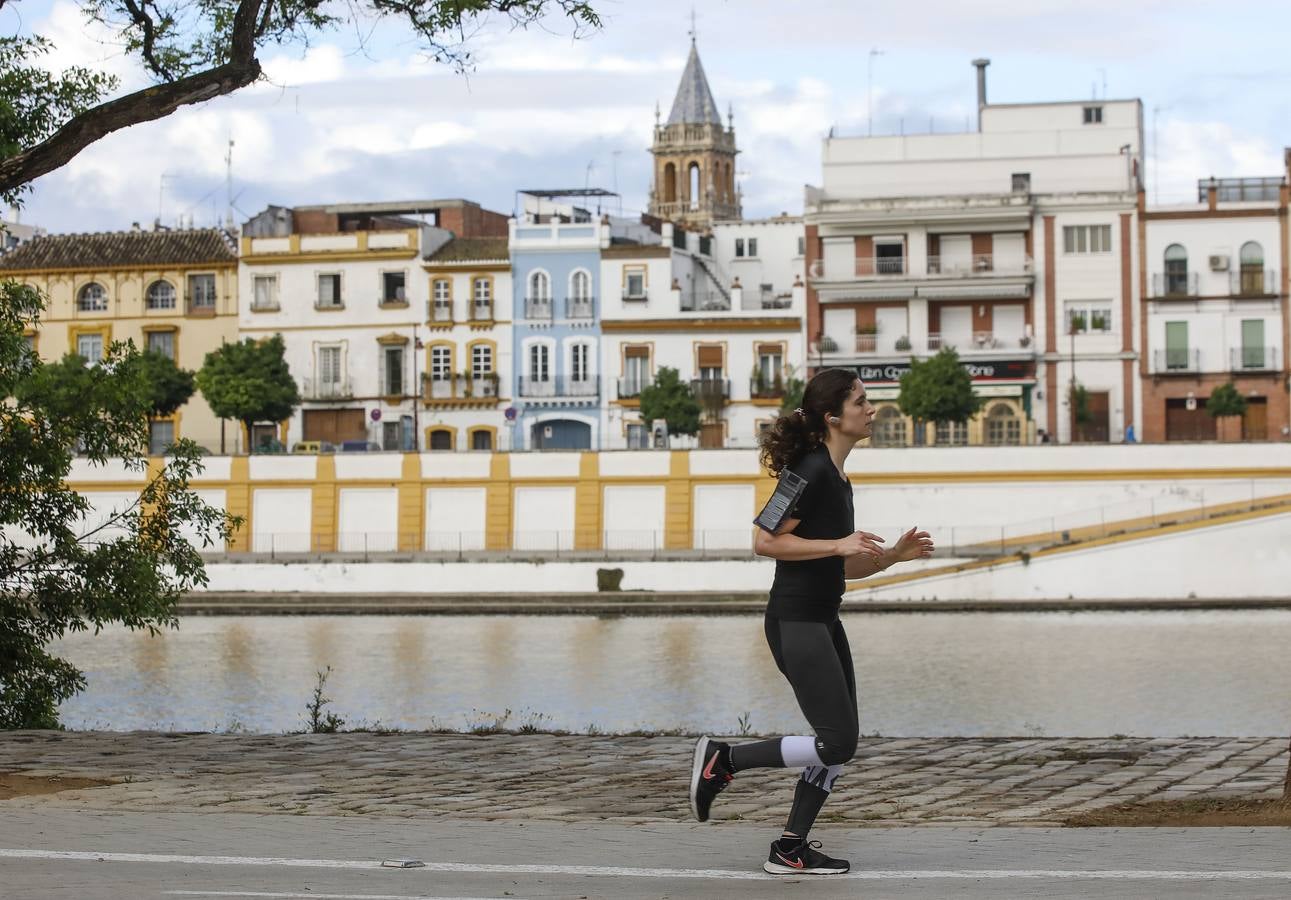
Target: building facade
1214, 284
1013, 245
171, 292
345, 286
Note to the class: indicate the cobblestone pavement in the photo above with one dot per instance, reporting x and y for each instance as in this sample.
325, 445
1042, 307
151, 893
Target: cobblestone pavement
631, 780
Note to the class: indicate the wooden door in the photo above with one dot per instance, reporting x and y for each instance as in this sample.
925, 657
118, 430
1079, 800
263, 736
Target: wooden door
710, 435
1183, 424
334, 425
1255, 422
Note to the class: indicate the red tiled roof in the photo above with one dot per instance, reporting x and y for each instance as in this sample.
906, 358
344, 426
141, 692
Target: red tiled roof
202, 246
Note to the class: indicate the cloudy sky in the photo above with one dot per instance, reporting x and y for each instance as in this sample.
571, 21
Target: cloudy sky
362, 114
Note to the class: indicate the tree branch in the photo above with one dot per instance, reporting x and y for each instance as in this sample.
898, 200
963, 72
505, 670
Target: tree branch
139, 15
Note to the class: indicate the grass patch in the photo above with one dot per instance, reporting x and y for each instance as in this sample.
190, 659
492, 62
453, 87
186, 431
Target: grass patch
1193, 813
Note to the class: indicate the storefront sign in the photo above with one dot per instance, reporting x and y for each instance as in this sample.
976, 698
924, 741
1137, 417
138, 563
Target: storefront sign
1002, 370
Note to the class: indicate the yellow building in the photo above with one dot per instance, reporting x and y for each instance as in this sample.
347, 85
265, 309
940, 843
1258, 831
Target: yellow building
174, 292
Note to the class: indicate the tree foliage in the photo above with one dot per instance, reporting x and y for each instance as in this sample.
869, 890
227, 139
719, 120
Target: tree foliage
938, 390
671, 400
1225, 400
794, 387
249, 381
193, 52
61, 568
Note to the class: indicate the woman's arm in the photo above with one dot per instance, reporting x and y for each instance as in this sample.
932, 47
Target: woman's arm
911, 545
790, 547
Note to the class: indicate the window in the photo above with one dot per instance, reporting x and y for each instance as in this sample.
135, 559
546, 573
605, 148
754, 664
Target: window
392, 287
482, 297
481, 361
1252, 268
578, 363
92, 298
1087, 316
90, 346
1176, 345
1176, 270
802, 246
30, 341
952, 434
441, 439
580, 287
1021, 182
889, 428
162, 342
1003, 428
329, 365
539, 287
739, 246
770, 363
392, 359
638, 437
1087, 239
539, 362
1093, 115
329, 291
264, 292
442, 291
481, 439
201, 292
161, 295
441, 363
634, 284
161, 434
391, 432
636, 371
1253, 344
753, 246
889, 257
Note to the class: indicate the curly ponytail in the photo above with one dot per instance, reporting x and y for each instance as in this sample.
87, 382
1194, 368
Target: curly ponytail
793, 435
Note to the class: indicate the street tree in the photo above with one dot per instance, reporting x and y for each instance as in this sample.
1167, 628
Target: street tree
193, 52
669, 399
169, 386
938, 389
63, 566
249, 381
794, 387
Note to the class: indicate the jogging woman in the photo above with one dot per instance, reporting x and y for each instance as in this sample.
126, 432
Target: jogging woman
815, 549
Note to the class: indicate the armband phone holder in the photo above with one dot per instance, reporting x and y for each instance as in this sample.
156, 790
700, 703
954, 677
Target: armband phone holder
786, 496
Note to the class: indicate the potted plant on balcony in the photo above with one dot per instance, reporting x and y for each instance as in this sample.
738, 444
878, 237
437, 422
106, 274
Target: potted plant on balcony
1226, 406
867, 328
1097, 322
759, 381
777, 385
1077, 323
826, 344
1024, 341
903, 343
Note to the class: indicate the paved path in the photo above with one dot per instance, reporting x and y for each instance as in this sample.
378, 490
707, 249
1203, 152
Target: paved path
51, 854
626, 780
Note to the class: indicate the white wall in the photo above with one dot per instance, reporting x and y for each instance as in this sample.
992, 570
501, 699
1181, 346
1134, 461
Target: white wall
637, 512
455, 518
367, 519
543, 518
723, 516
281, 520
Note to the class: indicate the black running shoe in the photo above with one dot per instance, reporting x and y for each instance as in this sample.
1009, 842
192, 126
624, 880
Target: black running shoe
792, 856
709, 775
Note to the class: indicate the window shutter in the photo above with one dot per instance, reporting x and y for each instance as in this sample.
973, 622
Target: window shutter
710, 357
636, 351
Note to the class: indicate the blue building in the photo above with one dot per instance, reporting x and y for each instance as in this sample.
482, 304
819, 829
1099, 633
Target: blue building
555, 275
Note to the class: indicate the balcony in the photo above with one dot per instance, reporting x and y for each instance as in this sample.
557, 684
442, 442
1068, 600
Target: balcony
979, 342
439, 311
454, 389
537, 308
317, 389
763, 388
1253, 283
1176, 361
1253, 359
482, 311
578, 308
704, 301
560, 386
979, 264
711, 390
631, 388
1170, 285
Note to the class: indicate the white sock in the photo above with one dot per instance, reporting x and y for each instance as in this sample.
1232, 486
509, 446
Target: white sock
799, 750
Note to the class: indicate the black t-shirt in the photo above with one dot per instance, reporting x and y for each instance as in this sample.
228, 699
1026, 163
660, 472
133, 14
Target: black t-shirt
811, 590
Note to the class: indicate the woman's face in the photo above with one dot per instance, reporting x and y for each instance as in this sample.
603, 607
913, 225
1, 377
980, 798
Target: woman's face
857, 415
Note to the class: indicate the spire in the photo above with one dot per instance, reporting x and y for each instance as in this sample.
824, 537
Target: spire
694, 103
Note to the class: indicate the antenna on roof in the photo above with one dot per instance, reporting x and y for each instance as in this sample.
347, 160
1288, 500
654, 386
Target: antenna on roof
693, 32
228, 186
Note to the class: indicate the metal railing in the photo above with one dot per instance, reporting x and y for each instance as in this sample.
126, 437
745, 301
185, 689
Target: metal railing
703, 301
978, 340
711, 388
1238, 190
979, 264
1172, 284
439, 311
1176, 360
560, 386
766, 388
537, 308
1252, 282
1253, 359
458, 387
630, 388
314, 389
482, 310
578, 307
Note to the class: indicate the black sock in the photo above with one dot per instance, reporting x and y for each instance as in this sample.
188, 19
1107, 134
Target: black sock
807, 801
757, 755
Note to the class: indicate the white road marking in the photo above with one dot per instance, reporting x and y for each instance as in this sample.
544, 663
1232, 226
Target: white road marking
630, 872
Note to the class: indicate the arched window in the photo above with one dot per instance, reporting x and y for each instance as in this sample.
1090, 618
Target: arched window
889, 428
670, 183
693, 176
1176, 270
1002, 426
539, 287
161, 295
441, 439
952, 434
1252, 271
580, 286
481, 439
92, 298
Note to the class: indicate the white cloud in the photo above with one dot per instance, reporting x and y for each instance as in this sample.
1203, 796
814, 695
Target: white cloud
1193, 150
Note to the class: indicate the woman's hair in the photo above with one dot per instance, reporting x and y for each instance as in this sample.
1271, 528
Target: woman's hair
793, 435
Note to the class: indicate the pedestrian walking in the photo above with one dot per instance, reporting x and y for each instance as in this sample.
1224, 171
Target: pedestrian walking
809, 529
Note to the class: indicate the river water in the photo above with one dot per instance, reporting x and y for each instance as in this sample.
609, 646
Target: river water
929, 674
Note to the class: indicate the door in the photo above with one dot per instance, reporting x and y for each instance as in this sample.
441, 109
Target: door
561, 434
1255, 421
334, 425
710, 435
1183, 424
1097, 429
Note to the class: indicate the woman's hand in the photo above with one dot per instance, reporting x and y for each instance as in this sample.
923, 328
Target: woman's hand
913, 544
859, 543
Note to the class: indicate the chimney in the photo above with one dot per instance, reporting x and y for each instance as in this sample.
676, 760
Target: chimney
981, 65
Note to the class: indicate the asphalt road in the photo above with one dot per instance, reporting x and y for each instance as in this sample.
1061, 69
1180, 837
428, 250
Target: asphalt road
47, 853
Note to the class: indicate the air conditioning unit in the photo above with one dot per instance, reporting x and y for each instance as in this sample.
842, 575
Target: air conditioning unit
1218, 263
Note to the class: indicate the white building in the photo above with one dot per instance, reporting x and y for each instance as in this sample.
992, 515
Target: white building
345, 286
1013, 244
1215, 291
766, 256
672, 304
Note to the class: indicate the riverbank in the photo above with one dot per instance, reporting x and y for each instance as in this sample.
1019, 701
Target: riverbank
645, 603
624, 779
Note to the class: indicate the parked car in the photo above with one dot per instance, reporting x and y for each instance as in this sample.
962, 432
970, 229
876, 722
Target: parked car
360, 447
313, 447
